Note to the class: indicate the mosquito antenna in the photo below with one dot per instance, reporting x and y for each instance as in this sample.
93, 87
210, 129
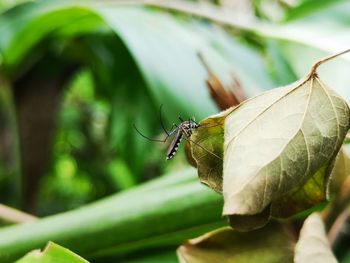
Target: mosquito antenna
181, 119
161, 120
148, 138
188, 139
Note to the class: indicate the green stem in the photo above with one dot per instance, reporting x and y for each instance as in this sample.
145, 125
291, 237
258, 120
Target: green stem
160, 212
332, 214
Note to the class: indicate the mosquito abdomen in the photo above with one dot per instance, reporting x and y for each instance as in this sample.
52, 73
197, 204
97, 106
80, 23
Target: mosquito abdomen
174, 145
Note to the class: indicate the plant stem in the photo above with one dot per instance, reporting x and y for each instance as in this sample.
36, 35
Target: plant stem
337, 227
336, 214
13, 216
323, 60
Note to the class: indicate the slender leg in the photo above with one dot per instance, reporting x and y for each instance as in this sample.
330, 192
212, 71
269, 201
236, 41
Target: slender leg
194, 121
174, 129
203, 126
148, 138
189, 131
188, 139
161, 121
171, 131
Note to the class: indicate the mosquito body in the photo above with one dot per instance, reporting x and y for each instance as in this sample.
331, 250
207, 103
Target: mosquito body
182, 131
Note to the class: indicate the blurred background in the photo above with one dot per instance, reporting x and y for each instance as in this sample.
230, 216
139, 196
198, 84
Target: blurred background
76, 75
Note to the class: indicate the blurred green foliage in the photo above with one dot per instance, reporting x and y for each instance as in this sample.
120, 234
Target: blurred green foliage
96, 151
84, 167
123, 62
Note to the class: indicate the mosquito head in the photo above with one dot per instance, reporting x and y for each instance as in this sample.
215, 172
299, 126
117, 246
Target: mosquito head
193, 123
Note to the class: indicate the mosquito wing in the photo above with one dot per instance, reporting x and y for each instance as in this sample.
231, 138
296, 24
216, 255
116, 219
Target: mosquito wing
174, 145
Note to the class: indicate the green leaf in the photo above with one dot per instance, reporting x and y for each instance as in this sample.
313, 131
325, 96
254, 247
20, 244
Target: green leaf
313, 245
305, 38
130, 24
301, 41
270, 244
136, 54
10, 171
308, 7
52, 253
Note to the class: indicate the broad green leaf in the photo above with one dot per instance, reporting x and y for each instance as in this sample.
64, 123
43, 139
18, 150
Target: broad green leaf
188, 36
281, 11
52, 253
6, 4
301, 41
280, 147
307, 7
305, 38
10, 172
281, 71
313, 245
127, 49
267, 245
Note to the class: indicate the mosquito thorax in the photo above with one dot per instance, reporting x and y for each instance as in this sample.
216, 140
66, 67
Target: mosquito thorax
189, 125
182, 131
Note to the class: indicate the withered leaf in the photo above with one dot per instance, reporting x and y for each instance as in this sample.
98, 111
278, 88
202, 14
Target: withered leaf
279, 150
278, 141
210, 137
270, 244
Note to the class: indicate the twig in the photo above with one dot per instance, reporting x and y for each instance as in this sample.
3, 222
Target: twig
333, 222
224, 98
323, 60
11, 215
337, 227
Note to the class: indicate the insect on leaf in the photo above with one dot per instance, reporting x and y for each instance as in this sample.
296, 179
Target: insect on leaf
279, 150
276, 142
205, 151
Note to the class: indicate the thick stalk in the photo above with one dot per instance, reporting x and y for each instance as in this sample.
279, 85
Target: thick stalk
164, 212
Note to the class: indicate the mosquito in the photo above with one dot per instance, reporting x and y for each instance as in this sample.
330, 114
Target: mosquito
182, 131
